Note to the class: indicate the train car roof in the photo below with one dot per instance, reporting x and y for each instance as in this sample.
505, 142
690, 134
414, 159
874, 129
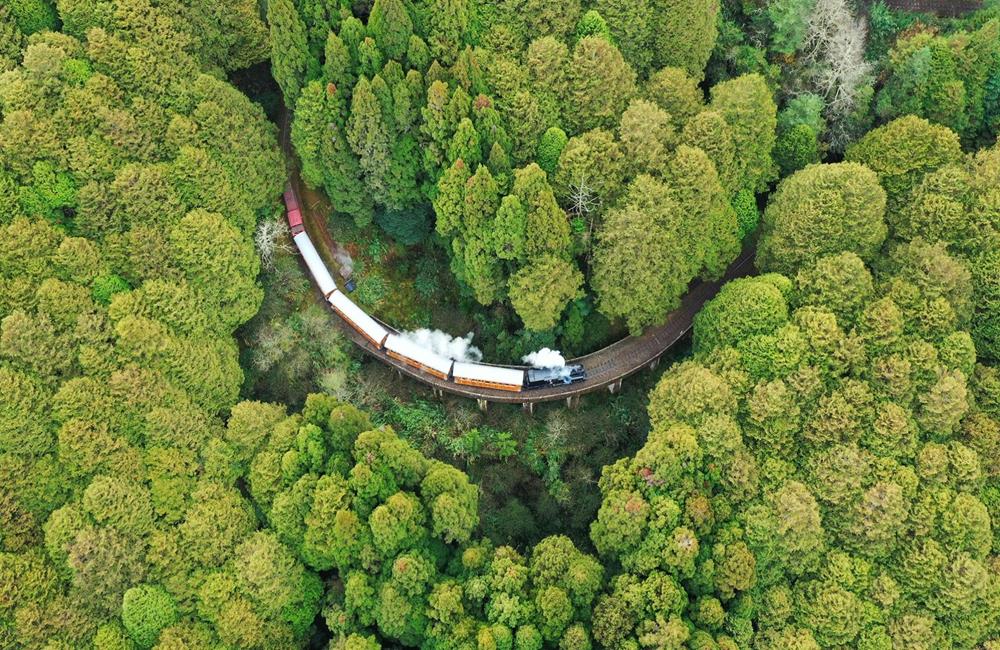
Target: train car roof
411, 350
356, 315
316, 266
495, 374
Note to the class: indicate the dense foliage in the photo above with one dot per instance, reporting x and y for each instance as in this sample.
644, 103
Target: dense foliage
531, 133
823, 472
132, 181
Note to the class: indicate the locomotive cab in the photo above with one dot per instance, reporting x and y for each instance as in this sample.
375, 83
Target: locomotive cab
545, 377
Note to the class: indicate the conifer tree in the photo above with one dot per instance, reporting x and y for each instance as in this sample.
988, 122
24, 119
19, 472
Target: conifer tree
684, 33
447, 24
338, 69
599, 85
390, 25
541, 290
370, 139
289, 48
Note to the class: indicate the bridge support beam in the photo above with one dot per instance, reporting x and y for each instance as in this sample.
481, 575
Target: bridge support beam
483, 404
655, 362
572, 402
438, 392
529, 407
615, 386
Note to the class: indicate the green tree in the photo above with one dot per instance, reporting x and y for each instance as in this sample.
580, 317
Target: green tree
370, 139
550, 147
599, 85
631, 23
822, 210
639, 271
684, 33
647, 136
146, 610
390, 25
447, 24
709, 131
590, 172
710, 226
541, 291
677, 93
32, 16
747, 106
743, 308
327, 157
289, 48
902, 152
338, 69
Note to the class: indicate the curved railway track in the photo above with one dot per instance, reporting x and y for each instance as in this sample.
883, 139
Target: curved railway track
606, 368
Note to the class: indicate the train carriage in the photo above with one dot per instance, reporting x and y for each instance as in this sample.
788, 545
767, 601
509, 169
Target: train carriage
294, 211
316, 266
417, 357
367, 326
484, 376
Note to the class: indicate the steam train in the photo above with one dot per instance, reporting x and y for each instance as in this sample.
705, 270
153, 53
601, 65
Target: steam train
460, 372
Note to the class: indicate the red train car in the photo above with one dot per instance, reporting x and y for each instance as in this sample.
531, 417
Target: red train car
293, 210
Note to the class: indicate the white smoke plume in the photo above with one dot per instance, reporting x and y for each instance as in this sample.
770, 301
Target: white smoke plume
459, 348
344, 260
545, 358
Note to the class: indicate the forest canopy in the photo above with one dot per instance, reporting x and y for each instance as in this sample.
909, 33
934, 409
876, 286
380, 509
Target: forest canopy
531, 134
821, 469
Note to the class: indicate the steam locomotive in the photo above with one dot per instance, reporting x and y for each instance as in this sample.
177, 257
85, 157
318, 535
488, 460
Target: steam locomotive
381, 338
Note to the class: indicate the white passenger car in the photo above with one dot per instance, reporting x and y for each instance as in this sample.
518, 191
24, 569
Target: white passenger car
484, 376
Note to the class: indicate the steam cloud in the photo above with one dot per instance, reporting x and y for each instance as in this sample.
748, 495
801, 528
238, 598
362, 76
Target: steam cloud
344, 259
545, 358
445, 345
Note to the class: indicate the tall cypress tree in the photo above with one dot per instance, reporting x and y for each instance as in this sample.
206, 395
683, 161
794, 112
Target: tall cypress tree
391, 27
448, 20
289, 48
326, 156
337, 66
369, 137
